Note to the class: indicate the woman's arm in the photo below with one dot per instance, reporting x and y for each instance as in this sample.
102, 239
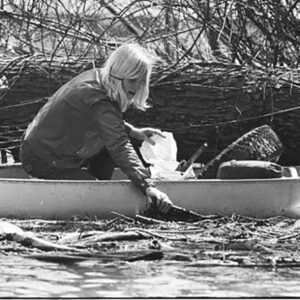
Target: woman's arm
143, 134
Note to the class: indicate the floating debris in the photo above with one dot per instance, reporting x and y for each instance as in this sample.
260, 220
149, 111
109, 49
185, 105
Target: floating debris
211, 241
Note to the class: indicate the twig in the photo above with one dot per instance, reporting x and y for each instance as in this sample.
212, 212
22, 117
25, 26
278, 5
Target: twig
146, 220
123, 216
112, 236
148, 232
244, 265
287, 237
187, 231
111, 222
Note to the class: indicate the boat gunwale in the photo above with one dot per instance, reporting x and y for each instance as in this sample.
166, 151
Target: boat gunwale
125, 181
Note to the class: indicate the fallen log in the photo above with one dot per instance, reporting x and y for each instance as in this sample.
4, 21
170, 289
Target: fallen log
198, 102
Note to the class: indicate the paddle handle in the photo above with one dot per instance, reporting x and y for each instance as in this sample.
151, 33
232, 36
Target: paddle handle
178, 210
183, 166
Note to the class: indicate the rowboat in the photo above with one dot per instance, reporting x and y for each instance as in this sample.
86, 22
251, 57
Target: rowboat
25, 197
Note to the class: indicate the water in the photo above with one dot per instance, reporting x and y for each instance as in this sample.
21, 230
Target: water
24, 277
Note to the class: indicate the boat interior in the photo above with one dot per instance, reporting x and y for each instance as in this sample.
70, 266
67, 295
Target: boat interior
16, 171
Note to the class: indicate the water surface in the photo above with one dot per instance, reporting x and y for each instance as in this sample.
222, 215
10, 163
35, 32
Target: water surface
24, 277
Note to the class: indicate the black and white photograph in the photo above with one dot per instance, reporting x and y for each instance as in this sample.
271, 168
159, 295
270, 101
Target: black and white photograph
149, 149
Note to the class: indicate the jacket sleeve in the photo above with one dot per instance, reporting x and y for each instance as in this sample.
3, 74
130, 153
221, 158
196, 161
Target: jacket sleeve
113, 132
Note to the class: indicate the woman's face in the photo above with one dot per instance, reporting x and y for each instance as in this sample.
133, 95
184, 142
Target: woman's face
131, 86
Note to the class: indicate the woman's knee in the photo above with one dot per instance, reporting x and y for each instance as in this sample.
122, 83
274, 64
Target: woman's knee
74, 174
101, 166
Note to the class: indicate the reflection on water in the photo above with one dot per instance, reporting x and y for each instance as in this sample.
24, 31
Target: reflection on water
23, 277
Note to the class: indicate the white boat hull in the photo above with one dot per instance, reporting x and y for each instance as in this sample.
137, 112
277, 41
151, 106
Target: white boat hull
36, 198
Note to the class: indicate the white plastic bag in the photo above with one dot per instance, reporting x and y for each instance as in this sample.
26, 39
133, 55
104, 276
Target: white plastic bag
163, 158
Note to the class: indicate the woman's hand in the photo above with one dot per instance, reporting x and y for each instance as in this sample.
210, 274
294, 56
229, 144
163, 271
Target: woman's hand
145, 134
160, 199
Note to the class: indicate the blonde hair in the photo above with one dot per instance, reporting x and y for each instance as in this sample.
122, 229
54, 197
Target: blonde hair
129, 61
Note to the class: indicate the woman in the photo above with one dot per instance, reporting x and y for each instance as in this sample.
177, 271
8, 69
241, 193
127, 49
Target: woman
80, 133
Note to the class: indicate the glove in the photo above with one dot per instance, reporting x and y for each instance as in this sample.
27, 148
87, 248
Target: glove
159, 199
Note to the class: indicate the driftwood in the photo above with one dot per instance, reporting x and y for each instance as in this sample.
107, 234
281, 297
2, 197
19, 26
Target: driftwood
234, 241
16, 234
68, 259
198, 102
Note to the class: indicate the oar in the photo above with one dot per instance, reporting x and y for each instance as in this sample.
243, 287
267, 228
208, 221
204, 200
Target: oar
184, 165
181, 210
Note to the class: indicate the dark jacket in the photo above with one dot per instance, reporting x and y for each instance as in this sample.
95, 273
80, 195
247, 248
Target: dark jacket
77, 122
